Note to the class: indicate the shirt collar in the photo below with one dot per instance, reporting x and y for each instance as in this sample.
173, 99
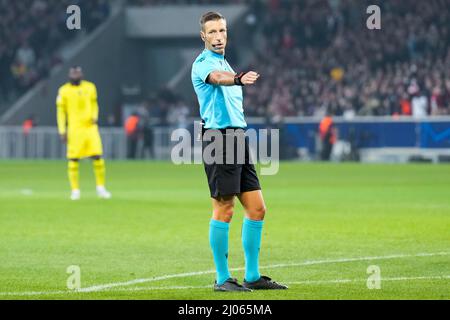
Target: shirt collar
214, 54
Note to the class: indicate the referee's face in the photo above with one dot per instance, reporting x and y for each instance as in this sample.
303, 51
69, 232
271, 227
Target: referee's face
214, 34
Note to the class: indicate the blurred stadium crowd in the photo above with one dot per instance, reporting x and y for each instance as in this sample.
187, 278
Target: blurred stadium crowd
30, 36
319, 57
315, 56
172, 2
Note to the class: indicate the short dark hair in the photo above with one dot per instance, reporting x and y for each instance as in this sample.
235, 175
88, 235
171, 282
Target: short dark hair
210, 16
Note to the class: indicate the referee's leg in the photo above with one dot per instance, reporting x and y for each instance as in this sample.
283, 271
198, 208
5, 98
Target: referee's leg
255, 210
223, 209
253, 203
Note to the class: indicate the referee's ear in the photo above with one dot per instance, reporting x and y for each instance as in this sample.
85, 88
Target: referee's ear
202, 35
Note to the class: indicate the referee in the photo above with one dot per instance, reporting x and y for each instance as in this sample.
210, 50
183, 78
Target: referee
219, 93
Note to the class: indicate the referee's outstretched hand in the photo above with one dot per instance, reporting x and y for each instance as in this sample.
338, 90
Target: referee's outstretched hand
249, 78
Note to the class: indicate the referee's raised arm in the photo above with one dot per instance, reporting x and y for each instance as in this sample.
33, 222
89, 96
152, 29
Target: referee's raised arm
225, 78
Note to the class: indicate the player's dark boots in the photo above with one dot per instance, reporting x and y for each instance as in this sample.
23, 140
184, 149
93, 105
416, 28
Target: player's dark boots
231, 285
264, 283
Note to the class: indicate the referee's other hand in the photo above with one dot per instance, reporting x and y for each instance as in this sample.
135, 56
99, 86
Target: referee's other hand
249, 78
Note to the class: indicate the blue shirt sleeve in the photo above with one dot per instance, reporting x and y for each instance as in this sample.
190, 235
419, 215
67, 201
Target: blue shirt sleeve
203, 67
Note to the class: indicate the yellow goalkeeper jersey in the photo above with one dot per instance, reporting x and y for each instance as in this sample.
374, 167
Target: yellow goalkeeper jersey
77, 106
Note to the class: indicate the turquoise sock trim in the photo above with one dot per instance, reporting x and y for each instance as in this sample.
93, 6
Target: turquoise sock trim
254, 223
219, 224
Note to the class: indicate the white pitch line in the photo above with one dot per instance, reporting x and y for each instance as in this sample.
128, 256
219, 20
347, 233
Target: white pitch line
274, 266
306, 282
109, 286
364, 280
145, 280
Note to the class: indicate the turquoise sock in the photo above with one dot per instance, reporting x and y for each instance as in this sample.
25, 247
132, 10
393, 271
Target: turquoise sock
251, 241
218, 239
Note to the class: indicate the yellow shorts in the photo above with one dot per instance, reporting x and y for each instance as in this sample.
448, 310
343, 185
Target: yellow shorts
83, 143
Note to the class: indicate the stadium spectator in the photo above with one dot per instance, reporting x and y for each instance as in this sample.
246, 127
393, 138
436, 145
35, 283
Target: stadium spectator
419, 104
133, 134
327, 133
148, 138
28, 124
25, 55
177, 114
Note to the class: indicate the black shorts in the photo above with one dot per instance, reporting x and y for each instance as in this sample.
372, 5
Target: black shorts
232, 176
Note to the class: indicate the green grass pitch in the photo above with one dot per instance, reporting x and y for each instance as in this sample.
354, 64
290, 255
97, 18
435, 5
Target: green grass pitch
325, 225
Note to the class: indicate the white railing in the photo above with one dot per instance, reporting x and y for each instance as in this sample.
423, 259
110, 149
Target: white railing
44, 143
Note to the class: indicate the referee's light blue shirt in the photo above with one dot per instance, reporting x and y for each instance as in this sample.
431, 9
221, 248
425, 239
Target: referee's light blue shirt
220, 106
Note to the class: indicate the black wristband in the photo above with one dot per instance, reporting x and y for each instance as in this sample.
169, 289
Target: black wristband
237, 79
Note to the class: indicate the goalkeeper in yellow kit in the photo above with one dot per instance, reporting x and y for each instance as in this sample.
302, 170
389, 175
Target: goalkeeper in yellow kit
77, 115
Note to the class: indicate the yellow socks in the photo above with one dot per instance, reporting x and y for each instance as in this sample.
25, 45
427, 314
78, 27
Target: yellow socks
74, 175
99, 171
